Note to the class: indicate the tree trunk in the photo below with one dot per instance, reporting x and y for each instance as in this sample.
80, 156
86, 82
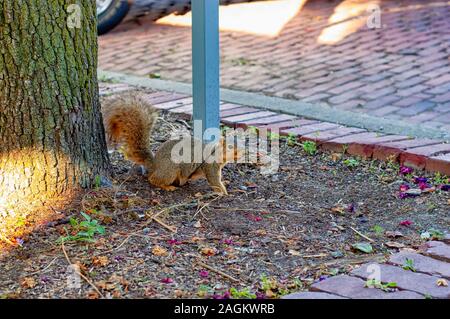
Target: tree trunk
51, 132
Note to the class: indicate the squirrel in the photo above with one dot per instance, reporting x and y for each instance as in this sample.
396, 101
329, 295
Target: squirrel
129, 119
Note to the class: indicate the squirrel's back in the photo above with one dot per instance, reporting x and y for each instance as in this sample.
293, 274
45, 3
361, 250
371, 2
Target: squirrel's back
129, 119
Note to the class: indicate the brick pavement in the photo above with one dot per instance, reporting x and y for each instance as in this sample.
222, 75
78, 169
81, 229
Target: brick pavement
432, 155
428, 278
400, 71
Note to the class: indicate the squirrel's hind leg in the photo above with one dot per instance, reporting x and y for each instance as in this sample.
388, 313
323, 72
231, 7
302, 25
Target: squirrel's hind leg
164, 182
213, 174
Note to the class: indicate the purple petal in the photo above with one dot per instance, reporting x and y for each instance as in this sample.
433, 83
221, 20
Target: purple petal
260, 295
404, 187
419, 180
404, 170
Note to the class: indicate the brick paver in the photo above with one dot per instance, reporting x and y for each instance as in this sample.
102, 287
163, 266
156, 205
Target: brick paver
427, 280
399, 71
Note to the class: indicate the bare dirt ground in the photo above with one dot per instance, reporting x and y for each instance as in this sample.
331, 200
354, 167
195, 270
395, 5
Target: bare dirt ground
272, 235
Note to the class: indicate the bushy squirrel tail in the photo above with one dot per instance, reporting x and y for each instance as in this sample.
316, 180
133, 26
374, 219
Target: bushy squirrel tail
129, 120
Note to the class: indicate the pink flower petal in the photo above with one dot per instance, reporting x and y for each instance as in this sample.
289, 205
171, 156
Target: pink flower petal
406, 223
167, 280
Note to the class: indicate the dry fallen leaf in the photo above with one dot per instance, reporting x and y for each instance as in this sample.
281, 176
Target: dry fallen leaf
195, 239
105, 285
28, 283
261, 232
270, 293
93, 295
82, 267
394, 234
393, 244
100, 261
159, 251
207, 251
294, 252
442, 283
338, 209
198, 224
336, 157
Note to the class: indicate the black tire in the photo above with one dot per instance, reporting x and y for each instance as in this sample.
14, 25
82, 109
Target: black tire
112, 16
155, 9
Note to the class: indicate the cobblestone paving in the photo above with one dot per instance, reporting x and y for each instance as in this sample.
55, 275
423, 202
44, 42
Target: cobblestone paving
399, 71
428, 278
428, 154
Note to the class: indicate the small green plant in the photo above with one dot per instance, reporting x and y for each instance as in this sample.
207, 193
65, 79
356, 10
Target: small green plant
378, 230
291, 139
408, 264
253, 129
204, 290
267, 284
351, 162
440, 179
432, 234
309, 147
374, 283
154, 75
241, 61
242, 294
97, 181
273, 136
84, 230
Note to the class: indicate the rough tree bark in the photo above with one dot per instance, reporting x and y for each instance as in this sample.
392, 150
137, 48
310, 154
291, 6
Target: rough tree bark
51, 132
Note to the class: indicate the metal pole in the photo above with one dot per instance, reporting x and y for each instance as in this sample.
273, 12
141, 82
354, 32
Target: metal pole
205, 64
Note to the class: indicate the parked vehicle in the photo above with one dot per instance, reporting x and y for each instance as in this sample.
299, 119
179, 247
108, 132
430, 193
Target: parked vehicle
112, 12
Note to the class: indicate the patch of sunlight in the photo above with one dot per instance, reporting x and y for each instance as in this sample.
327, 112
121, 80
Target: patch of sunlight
346, 20
265, 18
23, 194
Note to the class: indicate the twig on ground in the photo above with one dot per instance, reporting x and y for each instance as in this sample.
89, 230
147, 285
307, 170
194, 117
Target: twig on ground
159, 221
79, 271
155, 217
217, 271
205, 205
45, 268
315, 256
361, 234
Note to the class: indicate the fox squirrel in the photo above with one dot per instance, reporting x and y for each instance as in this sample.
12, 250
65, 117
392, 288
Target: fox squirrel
129, 119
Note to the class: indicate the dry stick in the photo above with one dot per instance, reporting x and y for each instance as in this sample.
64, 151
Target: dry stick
159, 221
361, 234
156, 219
43, 270
79, 272
217, 271
206, 205
124, 242
315, 256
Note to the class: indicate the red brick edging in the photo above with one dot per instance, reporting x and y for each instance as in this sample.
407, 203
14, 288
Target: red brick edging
431, 155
